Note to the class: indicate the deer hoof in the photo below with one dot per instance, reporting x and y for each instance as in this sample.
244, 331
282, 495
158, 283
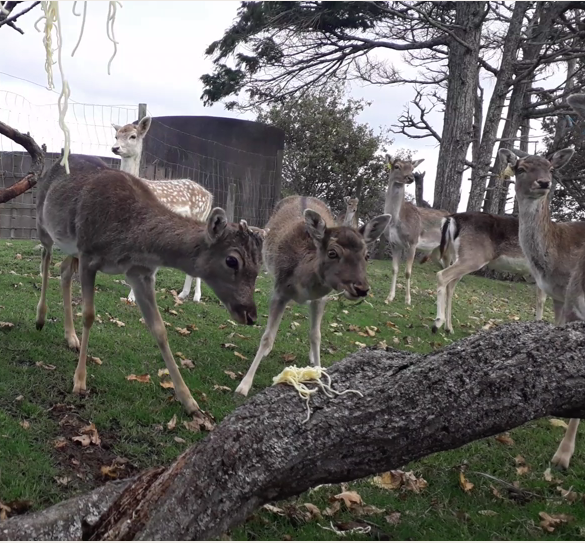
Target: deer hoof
79, 388
242, 389
40, 325
73, 342
434, 329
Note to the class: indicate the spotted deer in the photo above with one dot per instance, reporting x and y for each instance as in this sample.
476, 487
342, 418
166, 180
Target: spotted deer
349, 218
309, 256
110, 221
472, 240
412, 228
183, 196
555, 251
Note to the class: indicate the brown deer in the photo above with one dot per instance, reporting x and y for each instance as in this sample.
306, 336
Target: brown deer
411, 227
309, 256
472, 240
183, 196
110, 221
349, 218
555, 251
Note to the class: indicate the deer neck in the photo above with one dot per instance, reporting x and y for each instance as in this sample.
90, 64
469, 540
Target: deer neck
130, 165
348, 220
536, 234
394, 199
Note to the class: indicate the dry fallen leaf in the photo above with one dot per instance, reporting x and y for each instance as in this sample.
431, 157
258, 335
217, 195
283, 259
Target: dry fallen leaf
25, 424
548, 475
395, 479
187, 363
6, 325
63, 481
294, 325
18, 256
119, 323
49, 367
83, 440
569, 495
313, 510
176, 298
360, 345
365, 510
349, 497
230, 374
239, 355
19, 398
221, 387
558, 423
182, 331
172, 423
393, 518
464, 483
173, 312
505, 439
496, 492
167, 384
522, 470
229, 346
140, 378
550, 522
289, 357
487, 513
371, 330
163, 371
96, 360
91, 431
222, 326
59, 443
179, 439
273, 509
332, 509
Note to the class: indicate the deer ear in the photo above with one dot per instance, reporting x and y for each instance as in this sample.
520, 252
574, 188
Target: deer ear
243, 227
346, 199
417, 163
560, 158
577, 102
374, 229
315, 225
260, 232
116, 127
216, 224
143, 126
508, 157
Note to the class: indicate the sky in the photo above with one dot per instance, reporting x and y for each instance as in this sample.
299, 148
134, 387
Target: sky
160, 59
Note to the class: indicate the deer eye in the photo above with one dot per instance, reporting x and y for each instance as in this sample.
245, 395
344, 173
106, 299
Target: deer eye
232, 262
367, 255
133, 137
396, 166
332, 254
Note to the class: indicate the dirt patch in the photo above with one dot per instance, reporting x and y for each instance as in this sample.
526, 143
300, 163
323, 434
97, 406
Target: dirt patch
84, 454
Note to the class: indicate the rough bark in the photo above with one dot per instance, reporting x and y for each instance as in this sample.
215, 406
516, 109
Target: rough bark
412, 406
37, 156
463, 66
496, 106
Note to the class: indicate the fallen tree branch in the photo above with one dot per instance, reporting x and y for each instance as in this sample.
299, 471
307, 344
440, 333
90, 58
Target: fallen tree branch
38, 160
413, 405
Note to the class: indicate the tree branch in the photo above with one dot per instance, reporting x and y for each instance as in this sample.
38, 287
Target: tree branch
37, 156
412, 406
10, 19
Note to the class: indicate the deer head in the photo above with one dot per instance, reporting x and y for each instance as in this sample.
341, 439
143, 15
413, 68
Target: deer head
351, 203
230, 265
342, 252
534, 173
402, 171
129, 138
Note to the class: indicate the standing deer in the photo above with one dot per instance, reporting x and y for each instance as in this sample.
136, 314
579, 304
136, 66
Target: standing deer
183, 196
349, 218
472, 240
110, 221
411, 227
309, 256
555, 251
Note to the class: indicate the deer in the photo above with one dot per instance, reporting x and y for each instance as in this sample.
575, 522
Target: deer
349, 218
183, 196
555, 251
470, 241
309, 256
411, 227
109, 221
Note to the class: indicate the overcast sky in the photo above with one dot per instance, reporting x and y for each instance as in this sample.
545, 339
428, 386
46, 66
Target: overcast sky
159, 62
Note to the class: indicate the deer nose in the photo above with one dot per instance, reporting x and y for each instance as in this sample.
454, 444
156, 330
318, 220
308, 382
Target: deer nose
115, 149
250, 316
361, 290
543, 183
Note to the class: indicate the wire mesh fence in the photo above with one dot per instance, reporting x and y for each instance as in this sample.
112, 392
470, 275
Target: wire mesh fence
239, 162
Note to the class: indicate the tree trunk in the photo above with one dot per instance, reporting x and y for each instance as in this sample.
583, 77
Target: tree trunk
463, 66
496, 106
37, 156
413, 405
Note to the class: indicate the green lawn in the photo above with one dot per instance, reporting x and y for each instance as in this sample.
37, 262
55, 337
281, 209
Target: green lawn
40, 463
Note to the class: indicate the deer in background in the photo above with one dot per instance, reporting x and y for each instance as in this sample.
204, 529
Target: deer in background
472, 240
349, 218
309, 256
411, 227
110, 221
555, 251
183, 196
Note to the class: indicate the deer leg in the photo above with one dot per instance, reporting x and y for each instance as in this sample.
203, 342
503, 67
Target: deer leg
449, 310
275, 313
558, 309
316, 308
68, 267
131, 297
540, 301
197, 293
143, 286
87, 278
395, 265
562, 457
42, 305
186, 288
409, 262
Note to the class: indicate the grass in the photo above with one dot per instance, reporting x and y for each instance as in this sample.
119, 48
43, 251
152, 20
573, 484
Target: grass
39, 415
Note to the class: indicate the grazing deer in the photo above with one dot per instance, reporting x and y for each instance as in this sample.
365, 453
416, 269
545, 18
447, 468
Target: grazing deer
110, 221
554, 250
411, 227
183, 196
349, 218
309, 256
472, 240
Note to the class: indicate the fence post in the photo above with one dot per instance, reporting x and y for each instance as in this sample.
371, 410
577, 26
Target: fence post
231, 202
141, 114
141, 111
